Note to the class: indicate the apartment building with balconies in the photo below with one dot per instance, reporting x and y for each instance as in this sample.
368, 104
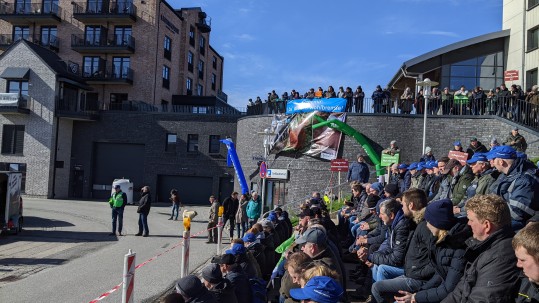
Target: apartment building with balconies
125, 50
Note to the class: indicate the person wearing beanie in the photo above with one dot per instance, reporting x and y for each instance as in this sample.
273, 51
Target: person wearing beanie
446, 254
493, 143
221, 288
391, 190
428, 156
490, 274
393, 149
192, 290
457, 146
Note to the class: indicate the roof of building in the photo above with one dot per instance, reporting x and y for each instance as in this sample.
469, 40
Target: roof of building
52, 60
437, 53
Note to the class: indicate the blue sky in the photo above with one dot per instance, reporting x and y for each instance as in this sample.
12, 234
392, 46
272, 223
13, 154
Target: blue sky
299, 44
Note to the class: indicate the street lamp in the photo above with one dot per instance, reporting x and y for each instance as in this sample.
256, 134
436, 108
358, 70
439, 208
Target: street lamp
427, 85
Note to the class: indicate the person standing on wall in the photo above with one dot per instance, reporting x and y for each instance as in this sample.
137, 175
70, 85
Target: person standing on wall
230, 205
144, 205
117, 202
358, 171
176, 204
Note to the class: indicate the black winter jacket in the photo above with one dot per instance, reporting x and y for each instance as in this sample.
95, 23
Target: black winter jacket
416, 261
205, 296
528, 292
447, 260
490, 274
145, 203
398, 236
224, 292
240, 282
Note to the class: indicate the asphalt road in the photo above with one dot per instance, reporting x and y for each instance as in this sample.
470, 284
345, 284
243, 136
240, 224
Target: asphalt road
65, 254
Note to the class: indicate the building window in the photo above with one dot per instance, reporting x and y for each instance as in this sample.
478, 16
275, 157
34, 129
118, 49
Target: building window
189, 86
532, 3
121, 67
167, 44
192, 143
202, 45
16, 167
213, 81
533, 38
21, 32
200, 89
192, 35
18, 86
215, 145
49, 36
484, 71
190, 61
201, 69
171, 143
13, 139
214, 62
122, 35
166, 76
94, 35
91, 66
96, 6
531, 78
117, 100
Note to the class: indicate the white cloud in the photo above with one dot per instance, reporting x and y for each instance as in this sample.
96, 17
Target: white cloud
244, 37
440, 33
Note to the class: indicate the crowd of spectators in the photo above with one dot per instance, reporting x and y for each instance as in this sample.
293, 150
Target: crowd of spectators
444, 230
439, 230
512, 102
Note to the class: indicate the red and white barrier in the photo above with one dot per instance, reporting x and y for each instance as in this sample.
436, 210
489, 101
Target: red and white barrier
185, 254
129, 278
219, 234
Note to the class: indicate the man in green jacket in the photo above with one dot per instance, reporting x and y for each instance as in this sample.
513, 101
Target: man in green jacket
462, 177
117, 202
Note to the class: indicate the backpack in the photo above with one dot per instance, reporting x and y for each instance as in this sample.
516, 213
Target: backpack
258, 288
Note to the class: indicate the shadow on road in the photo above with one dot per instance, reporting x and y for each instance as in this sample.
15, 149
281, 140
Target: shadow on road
37, 222
51, 235
31, 261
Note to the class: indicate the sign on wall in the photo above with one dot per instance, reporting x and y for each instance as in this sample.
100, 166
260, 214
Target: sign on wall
510, 75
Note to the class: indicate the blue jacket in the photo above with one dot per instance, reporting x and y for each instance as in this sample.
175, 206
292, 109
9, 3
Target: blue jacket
358, 172
253, 209
520, 188
405, 182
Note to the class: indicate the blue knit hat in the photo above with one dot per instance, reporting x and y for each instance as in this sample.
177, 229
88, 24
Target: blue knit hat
440, 214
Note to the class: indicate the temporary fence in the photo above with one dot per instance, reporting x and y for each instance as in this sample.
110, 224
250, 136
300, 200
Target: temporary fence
128, 277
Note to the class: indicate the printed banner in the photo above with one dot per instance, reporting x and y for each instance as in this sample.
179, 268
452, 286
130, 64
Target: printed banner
298, 136
389, 159
460, 156
332, 105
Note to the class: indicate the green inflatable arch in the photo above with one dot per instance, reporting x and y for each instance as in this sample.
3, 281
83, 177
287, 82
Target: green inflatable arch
350, 131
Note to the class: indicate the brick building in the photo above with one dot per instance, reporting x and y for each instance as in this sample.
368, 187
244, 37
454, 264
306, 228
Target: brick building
99, 90
144, 51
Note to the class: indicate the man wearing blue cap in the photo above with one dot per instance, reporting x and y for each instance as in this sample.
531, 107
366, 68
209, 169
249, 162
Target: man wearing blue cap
405, 178
484, 178
518, 184
418, 176
320, 289
457, 146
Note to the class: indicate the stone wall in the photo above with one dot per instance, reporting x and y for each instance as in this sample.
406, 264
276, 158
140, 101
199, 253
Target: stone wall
309, 174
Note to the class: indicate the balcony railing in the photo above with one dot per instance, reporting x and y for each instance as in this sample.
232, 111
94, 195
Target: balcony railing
14, 103
77, 109
112, 44
96, 10
110, 75
51, 41
31, 12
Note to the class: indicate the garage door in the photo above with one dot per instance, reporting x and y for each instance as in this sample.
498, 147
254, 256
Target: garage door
192, 190
116, 161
